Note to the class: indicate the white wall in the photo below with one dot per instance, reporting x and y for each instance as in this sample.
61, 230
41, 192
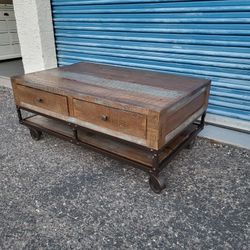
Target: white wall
35, 31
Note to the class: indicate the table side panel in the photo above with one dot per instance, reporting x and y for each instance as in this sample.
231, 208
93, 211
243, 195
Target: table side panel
153, 126
172, 118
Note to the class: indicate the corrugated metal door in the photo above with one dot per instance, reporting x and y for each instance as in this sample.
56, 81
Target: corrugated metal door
201, 38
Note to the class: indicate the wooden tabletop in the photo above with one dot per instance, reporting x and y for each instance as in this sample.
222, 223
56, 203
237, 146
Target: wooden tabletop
141, 88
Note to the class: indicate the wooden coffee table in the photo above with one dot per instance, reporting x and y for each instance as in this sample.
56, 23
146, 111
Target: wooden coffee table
141, 116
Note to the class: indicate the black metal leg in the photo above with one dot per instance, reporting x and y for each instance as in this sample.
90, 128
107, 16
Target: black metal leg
20, 118
35, 134
75, 134
203, 119
156, 182
155, 161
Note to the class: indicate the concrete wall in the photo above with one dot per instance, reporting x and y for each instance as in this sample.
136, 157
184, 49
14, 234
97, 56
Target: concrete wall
35, 31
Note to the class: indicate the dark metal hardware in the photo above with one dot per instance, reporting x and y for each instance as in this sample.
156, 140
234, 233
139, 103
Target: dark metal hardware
203, 120
104, 117
35, 134
6, 14
74, 129
20, 118
39, 99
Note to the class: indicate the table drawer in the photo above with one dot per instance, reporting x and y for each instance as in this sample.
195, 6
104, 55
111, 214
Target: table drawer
42, 99
111, 118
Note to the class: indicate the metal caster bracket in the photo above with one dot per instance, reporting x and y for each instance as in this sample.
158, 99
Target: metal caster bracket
157, 183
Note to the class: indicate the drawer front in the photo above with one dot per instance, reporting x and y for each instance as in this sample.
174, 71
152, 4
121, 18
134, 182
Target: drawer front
115, 119
42, 99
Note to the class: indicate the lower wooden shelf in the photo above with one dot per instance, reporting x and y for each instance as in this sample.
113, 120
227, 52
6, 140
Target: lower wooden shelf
108, 144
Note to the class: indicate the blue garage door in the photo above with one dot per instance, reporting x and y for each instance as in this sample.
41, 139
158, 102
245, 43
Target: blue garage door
200, 38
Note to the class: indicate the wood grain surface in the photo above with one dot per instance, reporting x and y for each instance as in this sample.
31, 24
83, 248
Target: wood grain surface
136, 88
42, 99
140, 106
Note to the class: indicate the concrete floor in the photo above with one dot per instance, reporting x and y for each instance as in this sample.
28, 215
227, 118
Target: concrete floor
10, 68
227, 136
55, 195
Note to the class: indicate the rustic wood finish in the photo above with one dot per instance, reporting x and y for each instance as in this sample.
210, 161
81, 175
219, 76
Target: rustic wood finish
180, 113
129, 151
136, 105
42, 99
111, 118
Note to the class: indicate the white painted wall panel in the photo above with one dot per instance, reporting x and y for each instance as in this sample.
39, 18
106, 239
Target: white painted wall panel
4, 39
12, 25
3, 26
35, 30
9, 43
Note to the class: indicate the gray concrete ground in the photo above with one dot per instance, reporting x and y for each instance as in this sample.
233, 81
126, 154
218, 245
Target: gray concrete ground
54, 195
10, 68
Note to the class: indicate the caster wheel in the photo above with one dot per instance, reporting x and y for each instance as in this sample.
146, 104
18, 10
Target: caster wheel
157, 184
190, 145
35, 134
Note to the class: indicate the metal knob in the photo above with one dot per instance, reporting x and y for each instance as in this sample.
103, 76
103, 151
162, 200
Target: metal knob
104, 117
39, 99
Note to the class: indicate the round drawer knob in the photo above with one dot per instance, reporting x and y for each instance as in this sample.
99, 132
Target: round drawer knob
38, 99
104, 117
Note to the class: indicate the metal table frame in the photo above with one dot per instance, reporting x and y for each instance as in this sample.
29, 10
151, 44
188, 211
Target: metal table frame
156, 181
